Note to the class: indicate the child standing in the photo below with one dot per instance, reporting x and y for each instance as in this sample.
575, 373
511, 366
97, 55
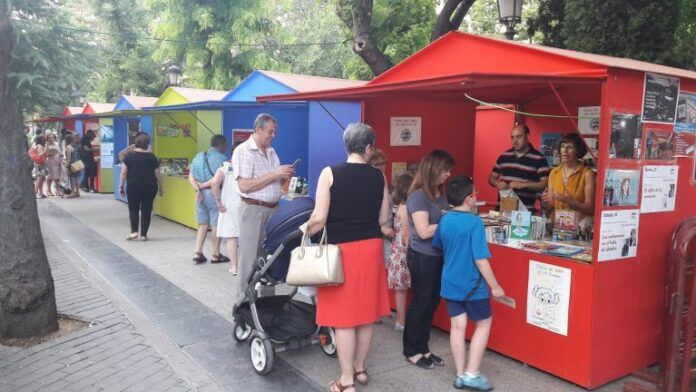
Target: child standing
466, 276
399, 277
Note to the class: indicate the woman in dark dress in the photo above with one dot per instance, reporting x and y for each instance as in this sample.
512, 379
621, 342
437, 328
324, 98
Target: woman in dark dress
352, 204
140, 170
89, 179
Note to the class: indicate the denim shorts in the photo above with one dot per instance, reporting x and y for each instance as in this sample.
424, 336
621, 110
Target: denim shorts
476, 310
206, 209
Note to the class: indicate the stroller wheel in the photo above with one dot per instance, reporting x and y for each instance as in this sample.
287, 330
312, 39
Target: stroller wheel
328, 342
241, 331
261, 355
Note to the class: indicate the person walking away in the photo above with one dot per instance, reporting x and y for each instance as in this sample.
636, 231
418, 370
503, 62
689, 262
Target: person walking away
54, 165
425, 205
87, 156
399, 277
352, 204
140, 170
37, 153
259, 176
466, 278
203, 168
227, 202
72, 155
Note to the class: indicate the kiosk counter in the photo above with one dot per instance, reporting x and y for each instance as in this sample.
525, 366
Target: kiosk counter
590, 319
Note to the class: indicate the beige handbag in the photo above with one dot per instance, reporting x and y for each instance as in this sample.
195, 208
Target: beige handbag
315, 265
77, 166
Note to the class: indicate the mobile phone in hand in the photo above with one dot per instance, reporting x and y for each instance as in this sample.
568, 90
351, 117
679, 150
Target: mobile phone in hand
297, 162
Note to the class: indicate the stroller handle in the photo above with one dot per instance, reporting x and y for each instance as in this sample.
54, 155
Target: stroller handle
292, 238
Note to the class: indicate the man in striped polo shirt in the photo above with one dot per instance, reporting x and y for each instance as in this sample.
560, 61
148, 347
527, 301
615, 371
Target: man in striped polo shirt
521, 168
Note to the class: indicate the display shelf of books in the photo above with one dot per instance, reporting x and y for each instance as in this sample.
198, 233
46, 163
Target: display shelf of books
174, 167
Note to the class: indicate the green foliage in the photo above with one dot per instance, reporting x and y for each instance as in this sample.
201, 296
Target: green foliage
684, 51
47, 62
639, 29
482, 19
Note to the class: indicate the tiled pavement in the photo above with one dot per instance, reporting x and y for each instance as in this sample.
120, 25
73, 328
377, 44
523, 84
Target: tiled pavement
108, 355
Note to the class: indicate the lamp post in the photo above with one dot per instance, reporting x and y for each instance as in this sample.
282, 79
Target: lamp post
77, 98
510, 13
173, 75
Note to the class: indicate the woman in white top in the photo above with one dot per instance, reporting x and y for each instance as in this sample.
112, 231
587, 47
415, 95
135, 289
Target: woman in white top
227, 202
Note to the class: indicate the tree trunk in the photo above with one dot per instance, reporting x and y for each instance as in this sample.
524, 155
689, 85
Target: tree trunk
451, 17
27, 297
357, 15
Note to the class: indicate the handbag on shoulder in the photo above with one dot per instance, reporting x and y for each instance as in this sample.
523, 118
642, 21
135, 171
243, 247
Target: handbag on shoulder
315, 265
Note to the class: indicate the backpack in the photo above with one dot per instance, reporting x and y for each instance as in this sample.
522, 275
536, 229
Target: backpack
35, 157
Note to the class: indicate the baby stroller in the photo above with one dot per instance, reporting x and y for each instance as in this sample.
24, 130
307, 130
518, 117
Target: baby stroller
279, 322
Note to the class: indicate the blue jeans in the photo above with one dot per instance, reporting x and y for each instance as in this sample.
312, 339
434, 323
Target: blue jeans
426, 278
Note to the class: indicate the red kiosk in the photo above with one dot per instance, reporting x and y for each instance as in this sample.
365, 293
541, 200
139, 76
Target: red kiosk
614, 307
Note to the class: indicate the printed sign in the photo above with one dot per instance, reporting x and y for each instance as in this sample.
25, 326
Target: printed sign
660, 96
686, 113
405, 131
618, 234
548, 297
398, 168
549, 147
659, 188
107, 155
241, 135
588, 120
684, 143
621, 188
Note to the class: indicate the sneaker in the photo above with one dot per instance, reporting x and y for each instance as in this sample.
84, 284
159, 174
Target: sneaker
398, 327
478, 382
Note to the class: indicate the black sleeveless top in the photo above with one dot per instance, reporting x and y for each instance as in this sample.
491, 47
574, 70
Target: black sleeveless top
356, 198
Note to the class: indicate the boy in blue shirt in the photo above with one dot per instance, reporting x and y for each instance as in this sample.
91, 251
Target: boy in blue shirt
466, 276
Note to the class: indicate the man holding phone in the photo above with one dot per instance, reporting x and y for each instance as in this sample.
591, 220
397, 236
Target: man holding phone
259, 179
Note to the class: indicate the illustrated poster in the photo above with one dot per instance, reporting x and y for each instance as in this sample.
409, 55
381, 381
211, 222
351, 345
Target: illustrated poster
660, 98
621, 188
618, 234
659, 144
686, 113
405, 131
548, 297
659, 188
588, 120
549, 147
398, 168
626, 136
241, 135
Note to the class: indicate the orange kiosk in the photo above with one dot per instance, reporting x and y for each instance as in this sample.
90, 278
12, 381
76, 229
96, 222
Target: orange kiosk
603, 317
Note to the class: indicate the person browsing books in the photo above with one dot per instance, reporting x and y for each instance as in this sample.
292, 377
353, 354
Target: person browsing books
572, 184
466, 278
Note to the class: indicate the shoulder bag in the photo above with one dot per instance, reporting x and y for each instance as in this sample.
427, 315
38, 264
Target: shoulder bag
315, 265
76, 164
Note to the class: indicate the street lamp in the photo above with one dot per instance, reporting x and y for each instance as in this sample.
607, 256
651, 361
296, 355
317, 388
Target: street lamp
77, 98
510, 13
173, 75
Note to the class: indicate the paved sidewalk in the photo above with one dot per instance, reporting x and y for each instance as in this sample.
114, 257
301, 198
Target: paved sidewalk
109, 354
192, 304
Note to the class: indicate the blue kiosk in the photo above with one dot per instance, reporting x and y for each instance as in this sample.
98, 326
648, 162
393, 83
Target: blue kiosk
126, 126
300, 123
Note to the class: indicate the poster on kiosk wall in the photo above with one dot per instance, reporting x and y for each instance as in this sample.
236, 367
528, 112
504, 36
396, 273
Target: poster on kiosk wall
548, 297
618, 234
660, 96
659, 188
405, 131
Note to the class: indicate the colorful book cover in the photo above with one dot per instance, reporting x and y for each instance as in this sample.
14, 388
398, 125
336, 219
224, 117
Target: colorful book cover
521, 225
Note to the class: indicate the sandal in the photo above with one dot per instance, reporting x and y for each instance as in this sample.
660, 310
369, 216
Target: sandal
132, 236
335, 386
422, 362
219, 258
357, 374
437, 361
199, 258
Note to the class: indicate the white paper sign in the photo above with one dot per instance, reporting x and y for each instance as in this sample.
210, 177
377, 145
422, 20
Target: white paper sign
548, 297
106, 151
405, 131
588, 120
659, 188
618, 234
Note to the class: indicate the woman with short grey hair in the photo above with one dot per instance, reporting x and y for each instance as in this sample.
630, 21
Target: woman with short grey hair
352, 204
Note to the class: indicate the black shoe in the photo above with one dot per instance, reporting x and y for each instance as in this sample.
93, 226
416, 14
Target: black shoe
422, 362
437, 361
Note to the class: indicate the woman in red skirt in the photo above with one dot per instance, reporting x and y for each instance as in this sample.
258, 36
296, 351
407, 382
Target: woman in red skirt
353, 203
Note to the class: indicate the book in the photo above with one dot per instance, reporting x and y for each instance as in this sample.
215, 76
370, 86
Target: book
541, 246
564, 251
521, 225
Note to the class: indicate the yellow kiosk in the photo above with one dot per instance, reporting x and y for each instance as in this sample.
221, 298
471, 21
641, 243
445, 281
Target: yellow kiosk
177, 137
